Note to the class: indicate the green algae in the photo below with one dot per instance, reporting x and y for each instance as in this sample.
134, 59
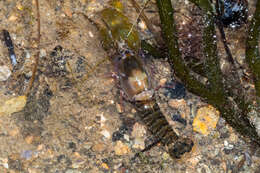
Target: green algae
214, 93
252, 49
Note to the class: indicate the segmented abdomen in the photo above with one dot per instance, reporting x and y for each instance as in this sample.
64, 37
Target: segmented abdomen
154, 119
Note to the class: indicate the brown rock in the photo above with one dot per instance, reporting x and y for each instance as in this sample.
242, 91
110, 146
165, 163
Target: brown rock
99, 147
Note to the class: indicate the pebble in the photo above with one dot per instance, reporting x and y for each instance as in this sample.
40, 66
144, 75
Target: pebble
88, 145
6, 165
43, 53
139, 143
126, 137
206, 120
203, 168
233, 137
29, 139
5, 73
98, 147
104, 166
72, 171
193, 161
14, 132
77, 164
177, 104
15, 104
119, 108
119, 134
121, 148
4, 162
34, 170
27, 154
106, 134
163, 82
174, 90
228, 146
12, 18
178, 118
102, 120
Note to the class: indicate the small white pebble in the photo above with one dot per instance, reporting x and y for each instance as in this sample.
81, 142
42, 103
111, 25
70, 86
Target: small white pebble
106, 133
225, 143
6, 165
126, 137
43, 53
102, 120
5, 73
142, 25
27, 54
90, 34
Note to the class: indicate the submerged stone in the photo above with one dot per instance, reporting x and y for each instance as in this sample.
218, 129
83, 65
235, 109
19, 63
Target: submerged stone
233, 12
15, 104
206, 120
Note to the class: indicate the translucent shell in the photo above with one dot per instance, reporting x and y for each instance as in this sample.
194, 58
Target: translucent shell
119, 29
133, 78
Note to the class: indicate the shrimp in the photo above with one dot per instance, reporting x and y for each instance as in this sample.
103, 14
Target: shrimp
134, 80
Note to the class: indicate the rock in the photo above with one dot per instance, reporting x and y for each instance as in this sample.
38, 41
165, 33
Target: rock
15, 104
178, 118
121, 148
139, 143
228, 146
126, 137
104, 166
174, 90
88, 145
72, 171
5, 73
14, 132
29, 139
106, 134
163, 82
177, 104
34, 170
98, 147
201, 168
119, 108
27, 154
119, 134
233, 137
206, 120
43, 53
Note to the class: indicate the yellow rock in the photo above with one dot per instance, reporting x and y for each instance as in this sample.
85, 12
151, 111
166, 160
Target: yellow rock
104, 165
206, 120
121, 148
29, 139
15, 104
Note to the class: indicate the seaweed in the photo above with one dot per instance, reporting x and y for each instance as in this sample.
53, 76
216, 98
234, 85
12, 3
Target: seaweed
215, 92
252, 49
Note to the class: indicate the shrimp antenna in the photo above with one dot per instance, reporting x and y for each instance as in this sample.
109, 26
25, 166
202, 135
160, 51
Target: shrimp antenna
141, 11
